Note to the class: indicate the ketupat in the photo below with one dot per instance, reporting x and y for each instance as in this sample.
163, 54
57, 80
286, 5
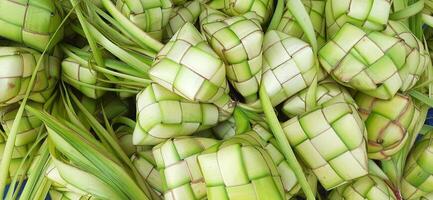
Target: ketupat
19, 64
188, 149
61, 189
263, 8
366, 61
208, 15
187, 66
96, 78
238, 41
418, 171
81, 76
288, 66
296, 89
369, 187
260, 136
150, 16
31, 22
371, 15
334, 146
187, 12
417, 56
387, 123
162, 115
176, 159
18, 155
29, 127
124, 138
237, 169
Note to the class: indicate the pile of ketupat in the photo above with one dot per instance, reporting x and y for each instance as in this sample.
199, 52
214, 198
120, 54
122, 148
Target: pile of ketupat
216, 99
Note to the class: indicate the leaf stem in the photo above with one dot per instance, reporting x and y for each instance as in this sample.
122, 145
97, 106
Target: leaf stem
283, 143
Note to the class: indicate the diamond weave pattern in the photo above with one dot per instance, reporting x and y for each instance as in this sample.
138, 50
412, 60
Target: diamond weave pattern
334, 146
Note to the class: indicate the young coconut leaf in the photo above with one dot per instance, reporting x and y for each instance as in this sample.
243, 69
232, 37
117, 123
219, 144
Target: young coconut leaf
283, 143
91, 160
37, 185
